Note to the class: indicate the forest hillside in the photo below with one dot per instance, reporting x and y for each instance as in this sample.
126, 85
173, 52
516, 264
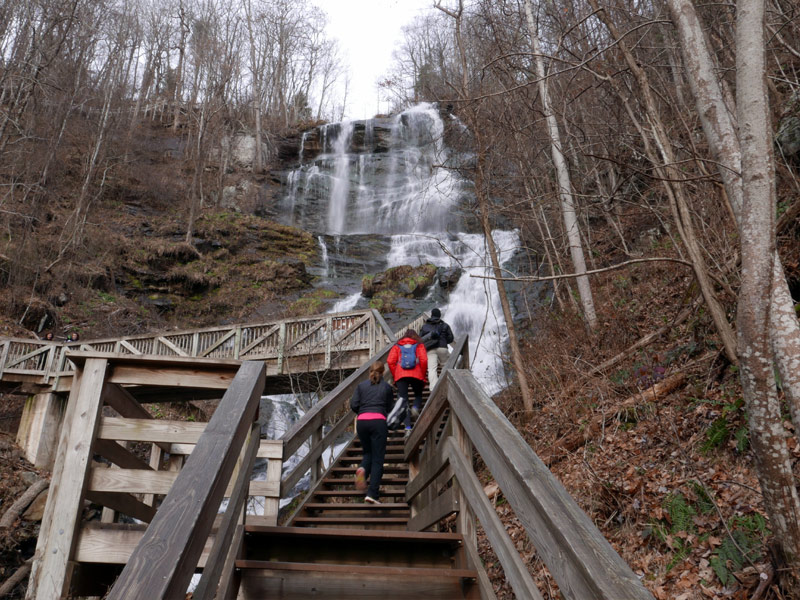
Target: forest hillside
647, 153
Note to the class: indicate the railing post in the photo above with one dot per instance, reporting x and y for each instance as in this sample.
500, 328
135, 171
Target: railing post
329, 342
6, 346
465, 523
318, 467
195, 343
237, 342
281, 346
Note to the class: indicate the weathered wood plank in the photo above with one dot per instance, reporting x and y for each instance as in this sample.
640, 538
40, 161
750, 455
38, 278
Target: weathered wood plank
513, 566
122, 503
266, 449
475, 562
207, 587
119, 455
150, 430
172, 376
115, 545
136, 481
581, 560
442, 506
49, 573
163, 562
430, 470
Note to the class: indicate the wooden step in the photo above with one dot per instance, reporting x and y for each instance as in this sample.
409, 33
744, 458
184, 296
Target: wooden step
388, 459
349, 520
356, 506
355, 493
299, 581
349, 481
351, 470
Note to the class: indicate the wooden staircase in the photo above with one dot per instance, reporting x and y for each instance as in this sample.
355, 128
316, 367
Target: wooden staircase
421, 542
338, 546
294, 563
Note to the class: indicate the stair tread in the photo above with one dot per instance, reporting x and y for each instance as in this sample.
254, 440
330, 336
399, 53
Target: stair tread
322, 533
356, 506
353, 519
346, 493
356, 569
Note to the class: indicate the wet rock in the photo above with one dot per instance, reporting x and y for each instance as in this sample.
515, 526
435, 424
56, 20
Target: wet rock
159, 302
405, 280
448, 278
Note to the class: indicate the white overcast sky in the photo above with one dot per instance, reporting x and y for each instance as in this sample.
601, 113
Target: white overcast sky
368, 31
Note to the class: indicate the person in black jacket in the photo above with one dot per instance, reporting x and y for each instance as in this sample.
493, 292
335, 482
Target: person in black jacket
440, 335
372, 401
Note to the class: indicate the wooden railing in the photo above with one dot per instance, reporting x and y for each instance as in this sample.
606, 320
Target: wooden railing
287, 346
459, 420
163, 562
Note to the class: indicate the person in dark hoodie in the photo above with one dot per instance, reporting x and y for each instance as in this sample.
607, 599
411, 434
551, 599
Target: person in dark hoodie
372, 401
440, 335
408, 361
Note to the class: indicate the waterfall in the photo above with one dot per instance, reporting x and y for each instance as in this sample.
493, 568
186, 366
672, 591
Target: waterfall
302, 146
386, 192
340, 189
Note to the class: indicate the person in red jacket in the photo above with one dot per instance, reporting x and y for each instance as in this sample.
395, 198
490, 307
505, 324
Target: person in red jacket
406, 374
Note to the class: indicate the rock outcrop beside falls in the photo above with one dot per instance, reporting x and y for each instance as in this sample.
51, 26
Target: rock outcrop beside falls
372, 135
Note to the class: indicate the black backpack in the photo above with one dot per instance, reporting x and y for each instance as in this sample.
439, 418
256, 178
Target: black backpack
408, 356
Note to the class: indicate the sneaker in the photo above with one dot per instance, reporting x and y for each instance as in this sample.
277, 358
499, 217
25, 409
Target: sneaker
361, 479
414, 412
407, 433
371, 500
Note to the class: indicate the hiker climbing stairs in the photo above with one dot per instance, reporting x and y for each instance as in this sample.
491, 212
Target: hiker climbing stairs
335, 501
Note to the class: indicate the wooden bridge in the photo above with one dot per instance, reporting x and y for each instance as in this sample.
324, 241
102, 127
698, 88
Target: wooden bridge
176, 498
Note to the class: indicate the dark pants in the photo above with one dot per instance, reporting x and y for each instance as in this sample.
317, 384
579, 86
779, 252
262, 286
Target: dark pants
402, 392
373, 433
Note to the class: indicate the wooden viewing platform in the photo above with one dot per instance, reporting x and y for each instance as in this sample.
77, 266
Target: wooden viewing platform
174, 496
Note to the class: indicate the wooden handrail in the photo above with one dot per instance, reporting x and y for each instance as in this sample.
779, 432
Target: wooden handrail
332, 402
162, 564
235, 342
437, 401
580, 559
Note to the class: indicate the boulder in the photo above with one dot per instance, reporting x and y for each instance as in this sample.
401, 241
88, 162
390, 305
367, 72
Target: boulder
405, 281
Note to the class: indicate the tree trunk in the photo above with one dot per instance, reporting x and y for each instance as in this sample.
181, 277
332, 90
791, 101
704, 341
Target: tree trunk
668, 173
772, 456
720, 131
564, 184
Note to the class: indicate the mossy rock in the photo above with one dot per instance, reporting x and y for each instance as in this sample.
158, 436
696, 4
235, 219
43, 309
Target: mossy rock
383, 301
405, 280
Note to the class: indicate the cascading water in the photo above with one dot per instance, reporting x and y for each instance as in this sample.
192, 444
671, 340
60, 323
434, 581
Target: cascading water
383, 193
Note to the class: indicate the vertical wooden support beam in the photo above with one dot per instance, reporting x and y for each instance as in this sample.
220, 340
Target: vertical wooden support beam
272, 504
39, 428
49, 575
329, 342
156, 456
237, 342
318, 468
4, 357
465, 523
281, 346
